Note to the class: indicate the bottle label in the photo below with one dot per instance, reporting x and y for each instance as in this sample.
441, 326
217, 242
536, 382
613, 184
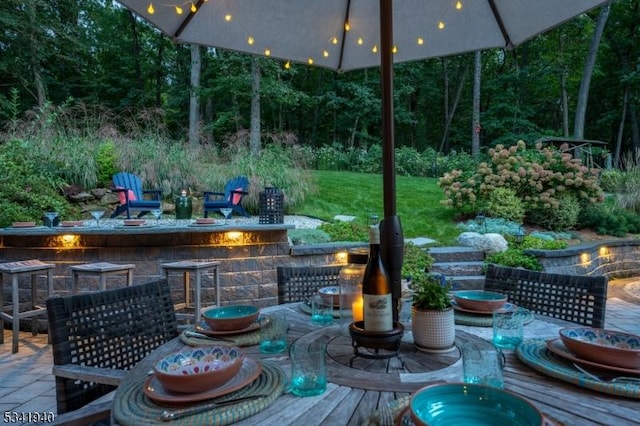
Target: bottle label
378, 312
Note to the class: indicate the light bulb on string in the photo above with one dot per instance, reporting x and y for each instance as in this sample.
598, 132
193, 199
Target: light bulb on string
150, 9
193, 8
250, 40
374, 49
179, 10
441, 25
420, 41
458, 5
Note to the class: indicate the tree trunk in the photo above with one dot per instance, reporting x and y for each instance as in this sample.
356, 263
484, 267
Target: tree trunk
475, 131
583, 94
194, 96
254, 137
35, 57
623, 115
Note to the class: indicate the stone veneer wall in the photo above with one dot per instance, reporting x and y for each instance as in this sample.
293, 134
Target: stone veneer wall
613, 259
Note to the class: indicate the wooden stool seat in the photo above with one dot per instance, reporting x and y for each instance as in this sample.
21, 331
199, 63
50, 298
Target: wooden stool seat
198, 268
15, 270
101, 269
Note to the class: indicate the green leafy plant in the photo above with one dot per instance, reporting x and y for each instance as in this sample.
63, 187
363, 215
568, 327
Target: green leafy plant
515, 258
430, 291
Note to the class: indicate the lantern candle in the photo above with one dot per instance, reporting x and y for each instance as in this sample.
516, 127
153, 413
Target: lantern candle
356, 308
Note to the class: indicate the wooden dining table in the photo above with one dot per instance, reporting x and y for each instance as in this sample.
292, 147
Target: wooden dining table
365, 391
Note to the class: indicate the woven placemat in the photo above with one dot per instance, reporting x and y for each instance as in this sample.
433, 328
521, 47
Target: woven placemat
134, 408
246, 339
535, 354
486, 320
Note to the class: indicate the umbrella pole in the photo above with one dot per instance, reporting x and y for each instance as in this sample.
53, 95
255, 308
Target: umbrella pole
391, 237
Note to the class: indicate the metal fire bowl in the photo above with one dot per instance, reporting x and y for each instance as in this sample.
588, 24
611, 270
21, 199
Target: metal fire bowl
376, 339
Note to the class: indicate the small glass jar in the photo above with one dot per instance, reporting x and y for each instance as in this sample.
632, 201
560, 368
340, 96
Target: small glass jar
351, 288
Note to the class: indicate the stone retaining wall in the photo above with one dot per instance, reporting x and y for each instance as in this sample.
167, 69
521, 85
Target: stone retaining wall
613, 259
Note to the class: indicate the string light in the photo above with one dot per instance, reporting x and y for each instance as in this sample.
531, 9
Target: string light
228, 17
334, 40
347, 27
287, 65
267, 52
374, 49
325, 53
441, 25
310, 61
193, 8
150, 9
250, 40
394, 49
458, 5
420, 41
179, 10
360, 41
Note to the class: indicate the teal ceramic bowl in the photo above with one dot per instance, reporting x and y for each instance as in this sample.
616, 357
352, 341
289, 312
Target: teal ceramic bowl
607, 347
479, 300
471, 404
230, 318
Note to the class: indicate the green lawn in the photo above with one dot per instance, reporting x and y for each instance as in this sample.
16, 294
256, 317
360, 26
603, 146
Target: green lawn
360, 194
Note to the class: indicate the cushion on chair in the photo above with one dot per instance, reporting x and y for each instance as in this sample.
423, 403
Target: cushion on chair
123, 198
236, 197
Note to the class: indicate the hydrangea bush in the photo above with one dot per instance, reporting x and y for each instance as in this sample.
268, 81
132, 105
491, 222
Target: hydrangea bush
542, 178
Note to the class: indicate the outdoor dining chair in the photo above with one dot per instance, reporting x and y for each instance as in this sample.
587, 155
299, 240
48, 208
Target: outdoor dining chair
97, 336
575, 298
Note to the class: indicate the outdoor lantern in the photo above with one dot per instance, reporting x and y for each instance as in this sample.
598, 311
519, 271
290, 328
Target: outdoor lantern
271, 206
520, 235
184, 206
351, 301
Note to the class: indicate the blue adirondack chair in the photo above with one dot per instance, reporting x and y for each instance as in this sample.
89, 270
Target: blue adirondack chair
234, 190
133, 197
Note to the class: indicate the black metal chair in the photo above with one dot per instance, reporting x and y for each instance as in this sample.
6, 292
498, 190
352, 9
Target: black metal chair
97, 336
575, 298
299, 283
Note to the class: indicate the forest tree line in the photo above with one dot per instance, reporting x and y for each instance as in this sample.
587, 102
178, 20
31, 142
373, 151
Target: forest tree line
96, 52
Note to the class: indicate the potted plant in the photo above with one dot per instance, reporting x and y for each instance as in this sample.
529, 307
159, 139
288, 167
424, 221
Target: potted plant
432, 318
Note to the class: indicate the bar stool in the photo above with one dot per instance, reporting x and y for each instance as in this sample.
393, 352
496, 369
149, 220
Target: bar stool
197, 267
101, 269
15, 270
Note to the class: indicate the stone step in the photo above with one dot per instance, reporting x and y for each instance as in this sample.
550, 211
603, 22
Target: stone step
459, 268
467, 282
456, 254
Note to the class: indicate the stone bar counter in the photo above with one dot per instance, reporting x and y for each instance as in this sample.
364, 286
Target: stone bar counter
248, 253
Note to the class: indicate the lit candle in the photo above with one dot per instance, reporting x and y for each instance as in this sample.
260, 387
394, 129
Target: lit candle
356, 309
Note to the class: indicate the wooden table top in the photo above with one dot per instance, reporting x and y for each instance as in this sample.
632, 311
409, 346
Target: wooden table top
359, 386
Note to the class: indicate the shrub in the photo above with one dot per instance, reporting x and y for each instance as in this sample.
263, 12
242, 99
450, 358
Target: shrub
539, 177
346, 231
504, 203
563, 217
515, 258
607, 220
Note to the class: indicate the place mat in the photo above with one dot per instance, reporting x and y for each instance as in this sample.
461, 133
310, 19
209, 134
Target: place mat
306, 308
486, 320
535, 354
245, 339
133, 408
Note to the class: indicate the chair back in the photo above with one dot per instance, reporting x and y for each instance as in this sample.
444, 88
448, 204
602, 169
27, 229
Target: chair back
300, 283
574, 298
238, 183
129, 181
109, 329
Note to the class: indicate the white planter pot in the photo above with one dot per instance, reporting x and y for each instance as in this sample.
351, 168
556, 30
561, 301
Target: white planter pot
433, 330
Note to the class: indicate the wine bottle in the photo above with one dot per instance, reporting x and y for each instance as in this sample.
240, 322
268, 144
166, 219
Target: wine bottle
376, 288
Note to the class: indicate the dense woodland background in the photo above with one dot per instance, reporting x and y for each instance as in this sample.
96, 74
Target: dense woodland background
97, 54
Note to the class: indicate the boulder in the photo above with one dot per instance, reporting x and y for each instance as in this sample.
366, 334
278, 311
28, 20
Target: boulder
488, 243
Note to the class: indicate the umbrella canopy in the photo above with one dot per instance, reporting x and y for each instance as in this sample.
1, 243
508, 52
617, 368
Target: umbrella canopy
345, 34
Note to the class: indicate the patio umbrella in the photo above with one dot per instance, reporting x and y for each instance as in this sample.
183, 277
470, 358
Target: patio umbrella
352, 34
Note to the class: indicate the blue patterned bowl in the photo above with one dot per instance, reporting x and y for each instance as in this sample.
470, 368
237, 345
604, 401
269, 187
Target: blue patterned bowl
479, 300
607, 347
471, 404
199, 369
230, 318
